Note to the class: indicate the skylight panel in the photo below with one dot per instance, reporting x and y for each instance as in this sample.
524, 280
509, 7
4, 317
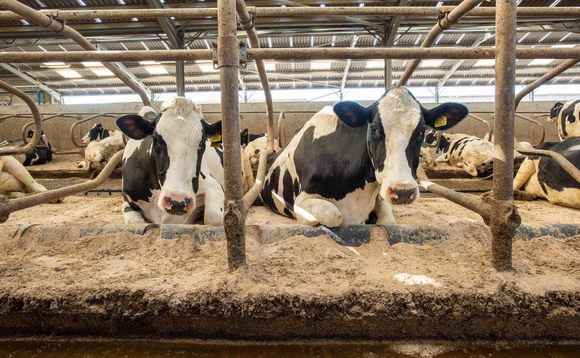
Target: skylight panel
92, 64
206, 68
375, 64
320, 65
431, 63
485, 63
69, 73
156, 70
102, 72
540, 61
270, 67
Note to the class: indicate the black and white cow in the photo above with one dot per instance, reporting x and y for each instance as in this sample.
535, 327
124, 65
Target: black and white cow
40, 154
170, 171
542, 177
567, 116
96, 133
348, 160
473, 154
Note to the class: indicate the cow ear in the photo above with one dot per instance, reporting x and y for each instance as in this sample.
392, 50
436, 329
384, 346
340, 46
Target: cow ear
445, 115
135, 126
213, 128
352, 113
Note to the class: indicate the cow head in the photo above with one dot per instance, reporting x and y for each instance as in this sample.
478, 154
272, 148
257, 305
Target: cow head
396, 126
555, 111
176, 140
97, 132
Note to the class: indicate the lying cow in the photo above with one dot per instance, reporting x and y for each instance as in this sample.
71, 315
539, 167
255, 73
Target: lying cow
542, 177
98, 153
567, 116
255, 147
40, 154
170, 170
15, 180
96, 133
348, 160
473, 154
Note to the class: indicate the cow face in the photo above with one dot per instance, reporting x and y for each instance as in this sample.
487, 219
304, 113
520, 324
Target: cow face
175, 141
396, 126
97, 132
555, 111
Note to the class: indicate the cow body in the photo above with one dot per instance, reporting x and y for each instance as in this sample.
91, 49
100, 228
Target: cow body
40, 154
347, 160
15, 180
170, 171
542, 177
98, 153
473, 154
567, 117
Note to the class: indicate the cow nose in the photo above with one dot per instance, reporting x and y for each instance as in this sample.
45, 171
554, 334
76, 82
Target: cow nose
402, 195
177, 204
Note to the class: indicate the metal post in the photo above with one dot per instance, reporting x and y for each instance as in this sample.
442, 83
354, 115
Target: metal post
504, 215
228, 63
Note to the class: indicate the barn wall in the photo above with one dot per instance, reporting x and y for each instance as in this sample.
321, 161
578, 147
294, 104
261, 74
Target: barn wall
253, 117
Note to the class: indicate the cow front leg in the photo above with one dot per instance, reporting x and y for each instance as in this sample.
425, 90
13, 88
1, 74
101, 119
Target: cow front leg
131, 215
311, 210
525, 172
384, 211
214, 208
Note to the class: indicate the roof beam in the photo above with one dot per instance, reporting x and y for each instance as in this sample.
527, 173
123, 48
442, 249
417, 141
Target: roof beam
53, 93
167, 25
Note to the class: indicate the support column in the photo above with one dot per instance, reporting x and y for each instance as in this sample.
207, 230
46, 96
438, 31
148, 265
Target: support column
228, 63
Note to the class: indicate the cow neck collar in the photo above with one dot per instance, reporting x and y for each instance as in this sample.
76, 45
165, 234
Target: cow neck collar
369, 149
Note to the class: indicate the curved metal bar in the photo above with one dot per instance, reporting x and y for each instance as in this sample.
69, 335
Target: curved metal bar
281, 128
254, 191
535, 122
74, 125
489, 129
37, 122
32, 200
25, 127
443, 24
559, 158
483, 209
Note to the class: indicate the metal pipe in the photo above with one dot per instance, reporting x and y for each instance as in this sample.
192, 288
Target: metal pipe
254, 191
37, 122
74, 125
247, 22
472, 204
32, 200
504, 215
228, 63
545, 78
559, 158
419, 11
59, 27
289, 54
444, 23
489, 129
535, 122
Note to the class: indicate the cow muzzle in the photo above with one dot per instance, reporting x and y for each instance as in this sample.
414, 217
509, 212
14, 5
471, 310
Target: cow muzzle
402, 195
177, 204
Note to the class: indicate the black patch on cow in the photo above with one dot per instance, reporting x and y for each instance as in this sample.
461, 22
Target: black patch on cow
568, 115
98, 132
161, 157
288, 191
318, 163
271, 185
378, 151
551, 174
140, 173
413, 150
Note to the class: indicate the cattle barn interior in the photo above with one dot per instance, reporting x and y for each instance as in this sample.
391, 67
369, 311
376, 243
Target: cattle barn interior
457, 266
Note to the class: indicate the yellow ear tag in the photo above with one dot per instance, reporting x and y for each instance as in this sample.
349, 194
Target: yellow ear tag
215, 138
441, 121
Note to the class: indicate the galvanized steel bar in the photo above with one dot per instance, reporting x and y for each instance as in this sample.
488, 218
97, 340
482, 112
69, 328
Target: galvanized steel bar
248, 24
60, 28
504, 215
181, 13
228, 63
445, 22
545, 78
10, 206
289, 54
37, 122
526, 118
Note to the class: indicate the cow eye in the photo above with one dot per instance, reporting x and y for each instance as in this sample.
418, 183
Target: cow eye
375, 130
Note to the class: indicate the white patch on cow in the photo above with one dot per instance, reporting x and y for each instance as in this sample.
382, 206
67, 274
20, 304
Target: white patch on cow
572, 129
326, 122
400, 114
409, 279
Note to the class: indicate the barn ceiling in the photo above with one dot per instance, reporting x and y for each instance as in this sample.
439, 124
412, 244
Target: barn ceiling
76, 79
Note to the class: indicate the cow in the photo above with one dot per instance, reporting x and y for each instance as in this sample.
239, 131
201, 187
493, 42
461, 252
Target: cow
170, 172
96, 133
40, 154
542, 177
473, 154
567, 117
15, 180
255, 147
98, 153
348, 161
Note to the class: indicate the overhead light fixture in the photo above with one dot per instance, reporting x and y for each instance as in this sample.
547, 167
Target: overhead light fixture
92, 64
69, 73
55, 65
